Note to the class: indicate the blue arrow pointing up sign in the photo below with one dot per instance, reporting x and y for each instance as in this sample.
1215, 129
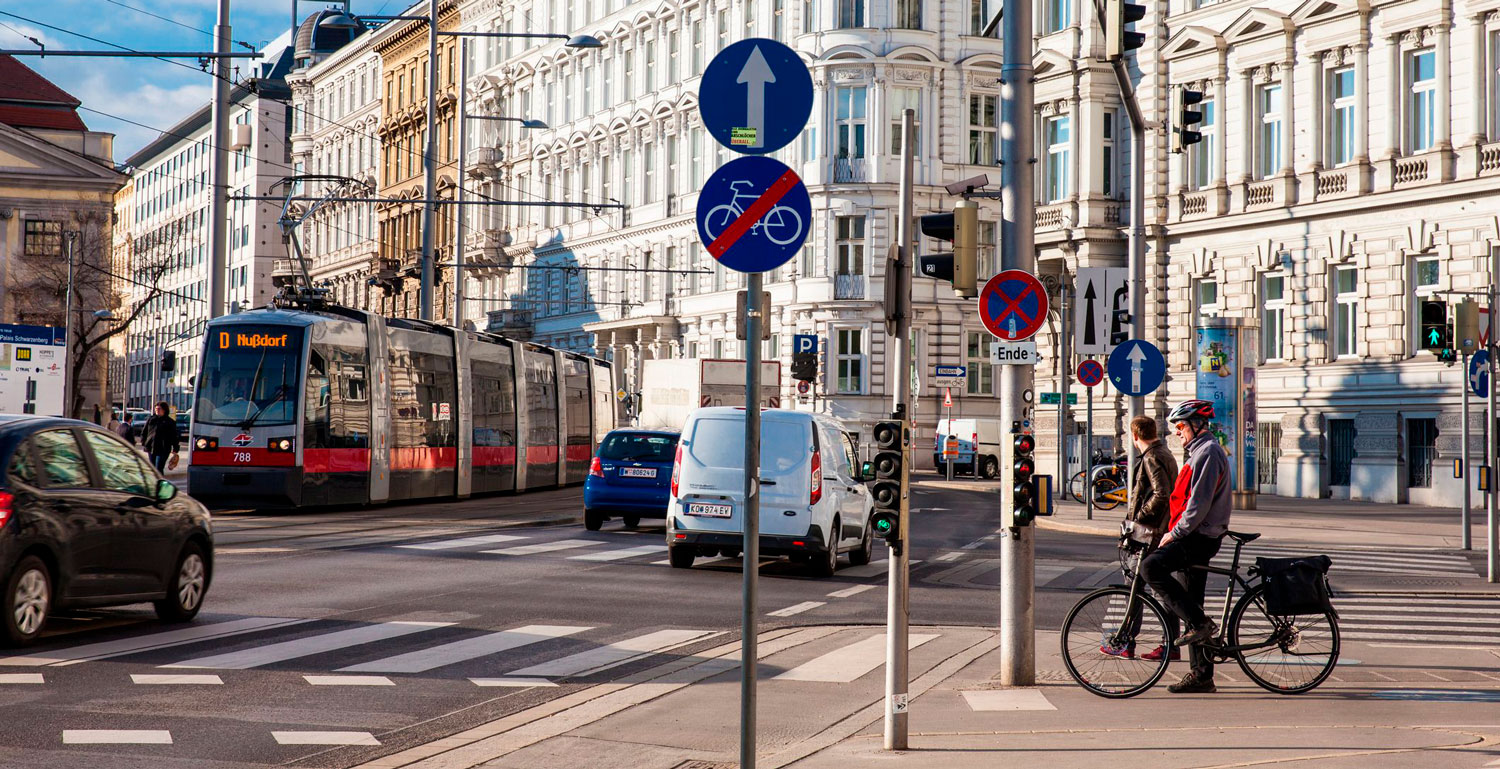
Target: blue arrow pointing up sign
755, 96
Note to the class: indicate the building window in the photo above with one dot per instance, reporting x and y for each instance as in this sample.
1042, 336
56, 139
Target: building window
1340, 451
1107, 143
1421, 108
1059, 15
850, 361
988, 241
1272, 315
983, 132
1208, 299
721, 27
851, 121
1426, 272
1341, 126
697, 46
902, 99
1267, 452
909, 14
850, 245
851, 14
1345, 312
1421, 438
43, 238
1057, 134
809, 16
1269, 129
977, 358
980, 13
778, 19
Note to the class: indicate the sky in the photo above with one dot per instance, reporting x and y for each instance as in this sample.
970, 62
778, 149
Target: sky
137, 98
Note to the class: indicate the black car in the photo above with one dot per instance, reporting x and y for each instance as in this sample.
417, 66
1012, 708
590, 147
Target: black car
86, 521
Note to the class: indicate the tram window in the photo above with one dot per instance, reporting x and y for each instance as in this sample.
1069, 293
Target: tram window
494, 396
253, 374
334, 419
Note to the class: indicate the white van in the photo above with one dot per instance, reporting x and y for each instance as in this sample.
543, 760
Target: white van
976, 439
813, 503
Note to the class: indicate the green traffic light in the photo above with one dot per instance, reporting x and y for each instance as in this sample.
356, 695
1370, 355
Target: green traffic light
882, 525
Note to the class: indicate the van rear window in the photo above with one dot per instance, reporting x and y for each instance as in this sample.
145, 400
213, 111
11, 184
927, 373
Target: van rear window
721, 443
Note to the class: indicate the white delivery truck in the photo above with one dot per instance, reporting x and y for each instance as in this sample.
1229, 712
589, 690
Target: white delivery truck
671, 389
973, 439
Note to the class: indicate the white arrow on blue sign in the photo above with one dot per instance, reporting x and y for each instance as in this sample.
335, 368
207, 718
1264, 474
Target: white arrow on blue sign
755, 96
753, 214
1137, 368
950, 371
1479, 373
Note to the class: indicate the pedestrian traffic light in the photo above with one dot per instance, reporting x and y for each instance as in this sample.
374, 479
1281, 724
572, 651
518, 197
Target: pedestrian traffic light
1436, 335
805, 365
1186, 118
961, 228
885, 487
1118, 14
168, 361
1017, 494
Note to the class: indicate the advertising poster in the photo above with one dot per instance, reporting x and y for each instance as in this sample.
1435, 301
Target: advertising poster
1218, 385
1249, 354
33, 369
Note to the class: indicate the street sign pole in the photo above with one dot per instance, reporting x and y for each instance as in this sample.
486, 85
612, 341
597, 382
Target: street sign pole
1017, 232
748, 601
1494, 435
948, 461
897, 595
1088, 456
1463, 518
1064, 369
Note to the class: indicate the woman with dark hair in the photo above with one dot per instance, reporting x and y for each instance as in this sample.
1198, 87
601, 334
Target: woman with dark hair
160, 437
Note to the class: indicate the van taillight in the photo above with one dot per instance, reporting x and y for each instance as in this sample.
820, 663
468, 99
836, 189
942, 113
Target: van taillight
676, 469
5, 506
817, 480
595, 469
975, 440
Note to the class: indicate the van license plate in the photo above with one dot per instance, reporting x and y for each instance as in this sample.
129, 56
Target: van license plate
708, 510
638, 472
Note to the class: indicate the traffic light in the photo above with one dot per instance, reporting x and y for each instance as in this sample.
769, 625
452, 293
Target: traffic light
1186, 118
1436, 335
1118, 14
885, 488
1466, 326
1120, 328
961, 228
169, 361
1018, 494
805, 365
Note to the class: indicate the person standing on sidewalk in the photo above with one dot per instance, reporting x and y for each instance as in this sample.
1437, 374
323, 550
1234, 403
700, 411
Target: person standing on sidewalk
1150, 490
1199, 516
160, 437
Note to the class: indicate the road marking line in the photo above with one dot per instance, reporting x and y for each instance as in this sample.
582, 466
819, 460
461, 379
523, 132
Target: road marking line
1431, 646
512, 682
116, 737
872, 569
97, 651
423, 660
976, 544
950, 557
304, 647
849, 662
545, 547
450, 544
850, 591
1007, 699
349, 680
796, 608
618, 653
252, 550
325, 738
183, 678
616, 555
21, 678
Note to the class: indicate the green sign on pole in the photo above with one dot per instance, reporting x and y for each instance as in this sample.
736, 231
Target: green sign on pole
1052, 399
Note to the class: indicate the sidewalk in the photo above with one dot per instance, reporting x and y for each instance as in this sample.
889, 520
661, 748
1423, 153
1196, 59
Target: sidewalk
1375, 711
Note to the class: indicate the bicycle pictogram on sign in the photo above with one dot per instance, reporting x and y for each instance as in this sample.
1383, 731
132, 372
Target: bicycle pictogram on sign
753, 214
780, 225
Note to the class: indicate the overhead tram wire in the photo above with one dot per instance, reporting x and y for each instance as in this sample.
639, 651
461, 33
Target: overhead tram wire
123, 48
240, 43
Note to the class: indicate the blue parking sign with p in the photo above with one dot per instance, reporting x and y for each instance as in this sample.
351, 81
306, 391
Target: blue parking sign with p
804, 343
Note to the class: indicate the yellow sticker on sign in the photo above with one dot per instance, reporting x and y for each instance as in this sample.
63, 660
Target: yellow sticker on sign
742, 137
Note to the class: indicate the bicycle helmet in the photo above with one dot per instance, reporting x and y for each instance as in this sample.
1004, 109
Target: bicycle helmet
1191, 411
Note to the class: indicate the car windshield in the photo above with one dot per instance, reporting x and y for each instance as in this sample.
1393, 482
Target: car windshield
720, 443
638, 447
251, 375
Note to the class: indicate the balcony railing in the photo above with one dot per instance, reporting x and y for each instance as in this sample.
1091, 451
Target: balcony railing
1489, 159
848, 287
1410, 171
848, 170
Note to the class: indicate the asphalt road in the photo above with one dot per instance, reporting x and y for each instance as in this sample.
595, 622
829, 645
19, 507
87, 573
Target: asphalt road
372, 625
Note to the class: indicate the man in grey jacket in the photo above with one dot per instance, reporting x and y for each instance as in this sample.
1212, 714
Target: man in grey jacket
1199, 516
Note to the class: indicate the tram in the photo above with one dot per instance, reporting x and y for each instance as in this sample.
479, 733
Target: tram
321, 405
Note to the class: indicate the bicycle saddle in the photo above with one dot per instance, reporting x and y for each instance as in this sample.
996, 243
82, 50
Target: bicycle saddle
1242, 536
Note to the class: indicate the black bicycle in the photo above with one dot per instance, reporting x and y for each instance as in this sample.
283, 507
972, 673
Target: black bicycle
1281, 654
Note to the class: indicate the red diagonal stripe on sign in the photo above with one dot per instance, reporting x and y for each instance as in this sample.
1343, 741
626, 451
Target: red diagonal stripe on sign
762, 204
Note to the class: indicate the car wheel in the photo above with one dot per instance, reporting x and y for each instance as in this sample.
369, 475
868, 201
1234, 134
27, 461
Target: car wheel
730, 552
991, 467
866, 549
681, 556
824, 564
28, 601
592, 520
631, 521
186, 588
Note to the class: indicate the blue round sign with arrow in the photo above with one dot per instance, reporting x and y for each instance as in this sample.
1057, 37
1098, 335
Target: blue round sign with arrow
1479, 373
1137, 368
753, 214
755, 96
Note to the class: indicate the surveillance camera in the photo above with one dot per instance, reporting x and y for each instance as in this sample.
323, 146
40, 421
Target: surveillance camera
968, 185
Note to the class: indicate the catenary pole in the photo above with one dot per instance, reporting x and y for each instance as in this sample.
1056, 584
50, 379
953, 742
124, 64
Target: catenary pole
69, 386
218, 205
897, 594
429, 169
1017, 233
458, 214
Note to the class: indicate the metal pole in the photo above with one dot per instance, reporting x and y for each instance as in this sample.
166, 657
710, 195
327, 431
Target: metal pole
748, 646
429, 168
897, 594
947, 460
1463, 517
1494, 442
1064, 374
1088, 456
1018, 232
458, 215
1137, 274
68, 384
218, 206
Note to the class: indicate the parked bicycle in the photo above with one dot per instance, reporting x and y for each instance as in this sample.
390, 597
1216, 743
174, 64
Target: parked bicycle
1282, 654
1105, 475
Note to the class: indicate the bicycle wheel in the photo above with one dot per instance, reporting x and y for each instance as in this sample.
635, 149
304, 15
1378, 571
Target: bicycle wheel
1102, 487
1296, 653
782, 225
1075, 486
718, 220
1099, 621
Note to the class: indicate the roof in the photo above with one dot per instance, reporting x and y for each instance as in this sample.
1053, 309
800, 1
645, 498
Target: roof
28, 100
60, 118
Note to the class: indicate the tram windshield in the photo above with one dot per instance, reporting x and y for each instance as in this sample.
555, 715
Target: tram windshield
251, 376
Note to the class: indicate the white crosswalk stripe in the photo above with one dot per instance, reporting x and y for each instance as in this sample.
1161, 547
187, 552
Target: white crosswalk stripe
849, 662
116, 737
454, 544
163, 640
423, 660
324, 738
544, 547
1369, 560
611, 655
617, 555
304, 647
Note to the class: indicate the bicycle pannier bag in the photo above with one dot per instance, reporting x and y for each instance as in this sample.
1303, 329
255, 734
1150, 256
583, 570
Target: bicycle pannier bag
1296, 586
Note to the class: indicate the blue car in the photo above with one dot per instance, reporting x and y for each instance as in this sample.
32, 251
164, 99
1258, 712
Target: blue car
630, 478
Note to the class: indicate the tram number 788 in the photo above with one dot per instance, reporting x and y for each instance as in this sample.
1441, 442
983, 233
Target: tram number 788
241, 456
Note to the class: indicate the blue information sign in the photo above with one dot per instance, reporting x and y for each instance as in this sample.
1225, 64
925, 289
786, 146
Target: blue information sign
1137, 367
804, 343
753, 214
957, 371
755, 96
1479, 373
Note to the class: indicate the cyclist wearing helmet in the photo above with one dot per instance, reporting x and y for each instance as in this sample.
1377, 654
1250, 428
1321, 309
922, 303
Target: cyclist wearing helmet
1199, 515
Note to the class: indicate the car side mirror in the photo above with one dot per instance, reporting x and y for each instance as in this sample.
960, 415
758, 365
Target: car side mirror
867, 471
165, 491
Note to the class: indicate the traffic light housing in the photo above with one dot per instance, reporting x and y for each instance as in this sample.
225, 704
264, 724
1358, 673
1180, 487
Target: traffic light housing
169, 361
1117, 40
1186, 118
1018, 499
1466, 326
886, 487
1120, 321
961, 228
1436, 334
805, 366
